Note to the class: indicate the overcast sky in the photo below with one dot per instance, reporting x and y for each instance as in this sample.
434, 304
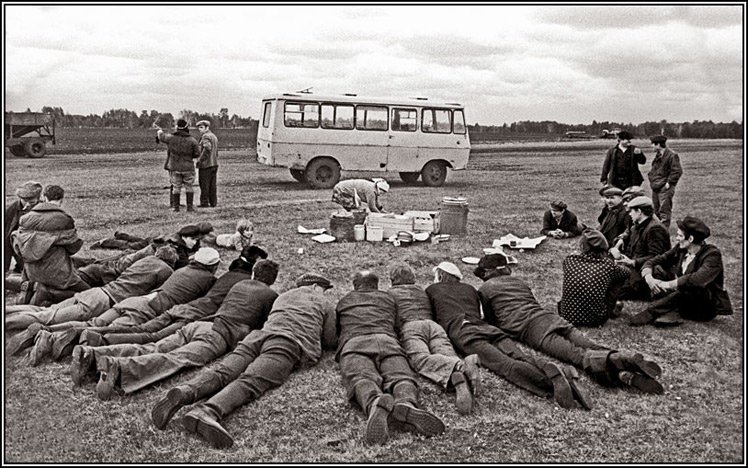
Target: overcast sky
572, 64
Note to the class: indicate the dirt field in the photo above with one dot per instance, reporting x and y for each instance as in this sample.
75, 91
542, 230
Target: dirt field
699, 419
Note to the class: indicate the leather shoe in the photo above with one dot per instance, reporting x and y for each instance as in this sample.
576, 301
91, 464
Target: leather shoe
377, 431
471, 369
25, 339
167, 406
199, 421
641, 382
463, 397
642, 318
562, 391
42, 348
109, 374
83, 358
670, 319
421, 421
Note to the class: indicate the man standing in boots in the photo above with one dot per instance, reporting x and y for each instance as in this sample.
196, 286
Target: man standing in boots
182, 149
663, 177
207, 165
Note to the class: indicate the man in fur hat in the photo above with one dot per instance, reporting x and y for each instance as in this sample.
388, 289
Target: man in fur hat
182, 149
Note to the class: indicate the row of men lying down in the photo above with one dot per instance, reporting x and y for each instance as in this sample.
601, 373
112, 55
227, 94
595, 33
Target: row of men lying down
192, 319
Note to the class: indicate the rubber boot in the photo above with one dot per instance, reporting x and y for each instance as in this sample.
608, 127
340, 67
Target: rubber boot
175, 202
190, 199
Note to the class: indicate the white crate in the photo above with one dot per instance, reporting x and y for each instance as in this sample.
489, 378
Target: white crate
424, 221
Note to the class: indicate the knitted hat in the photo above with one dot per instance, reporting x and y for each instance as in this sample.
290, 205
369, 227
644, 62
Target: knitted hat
30, 189
207, 256
450, 268
592, 239
308, 279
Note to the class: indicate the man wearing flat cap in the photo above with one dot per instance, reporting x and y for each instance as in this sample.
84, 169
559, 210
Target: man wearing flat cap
613, 217
457, 307
28, 197
647, 238
207, 165
663, 177
296, 329
360, 193
687, 279
560, 223
509, 304
588, 295
621, 166
182, 149
373, 365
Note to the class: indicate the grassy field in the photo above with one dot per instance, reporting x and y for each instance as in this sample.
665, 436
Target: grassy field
699, 419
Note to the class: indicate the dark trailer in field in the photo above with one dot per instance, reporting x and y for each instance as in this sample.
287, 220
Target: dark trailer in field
27, 133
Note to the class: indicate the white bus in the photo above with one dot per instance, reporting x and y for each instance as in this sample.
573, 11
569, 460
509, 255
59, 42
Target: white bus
318, 136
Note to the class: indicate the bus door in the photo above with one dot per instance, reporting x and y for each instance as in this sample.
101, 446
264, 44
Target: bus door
402, 150
371, 138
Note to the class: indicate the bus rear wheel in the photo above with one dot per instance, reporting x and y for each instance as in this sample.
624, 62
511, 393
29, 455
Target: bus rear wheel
298, 174
35, 148
434, 173
322, 173
410, 177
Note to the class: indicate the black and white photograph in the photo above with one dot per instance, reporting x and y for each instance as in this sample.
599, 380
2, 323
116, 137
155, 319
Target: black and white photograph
366, 233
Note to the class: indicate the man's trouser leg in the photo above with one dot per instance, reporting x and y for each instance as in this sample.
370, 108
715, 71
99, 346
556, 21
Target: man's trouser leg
87, 304
690, 305
662, 202
213, 186
141, 371
277, 359
359, 373
46, 295
429, 350
203, 179
143, 337
504, 358
98, 274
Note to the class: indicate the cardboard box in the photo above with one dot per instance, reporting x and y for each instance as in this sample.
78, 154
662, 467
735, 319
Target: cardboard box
424, 221
390, 223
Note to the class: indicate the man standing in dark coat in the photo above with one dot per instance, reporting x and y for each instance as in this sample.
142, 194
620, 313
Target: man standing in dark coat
28, 197
690, 275
621, 166
663, 177
182, 149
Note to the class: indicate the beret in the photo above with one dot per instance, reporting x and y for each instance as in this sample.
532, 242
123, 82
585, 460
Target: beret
558, 205
190, 230
639, 202
611, 192
624, 135
493, 261
207, 256
203, 122
308, 279
30, 189
593, 239
450, 268
658, 139
695, 227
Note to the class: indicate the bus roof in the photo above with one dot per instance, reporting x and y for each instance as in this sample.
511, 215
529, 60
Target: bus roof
352, 98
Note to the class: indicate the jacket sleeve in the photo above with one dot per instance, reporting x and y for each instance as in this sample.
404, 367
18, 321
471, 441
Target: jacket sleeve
606, 167
489, 315
710, 268
329, 327
205, 148
675, 170
639, 156
575, 229
659, 242
547, 223
665, 260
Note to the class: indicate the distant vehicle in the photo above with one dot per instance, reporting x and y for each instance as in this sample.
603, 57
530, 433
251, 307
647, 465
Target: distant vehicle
27, 133
610, 134
574, 135
318, 136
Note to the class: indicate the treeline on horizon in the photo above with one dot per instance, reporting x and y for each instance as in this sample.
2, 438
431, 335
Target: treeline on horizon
125, 118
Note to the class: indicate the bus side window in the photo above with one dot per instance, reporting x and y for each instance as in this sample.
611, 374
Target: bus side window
436, 120
459, 122
371, 118
338, 116
301, 114
266, 115
404, 120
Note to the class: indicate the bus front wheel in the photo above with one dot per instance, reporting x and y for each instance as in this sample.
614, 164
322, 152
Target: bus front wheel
298, 174
434, 173
410, 177
322, 173
35, 148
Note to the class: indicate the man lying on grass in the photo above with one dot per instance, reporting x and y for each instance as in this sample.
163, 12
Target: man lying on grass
131, 367
300, 321
457, 308
509, 304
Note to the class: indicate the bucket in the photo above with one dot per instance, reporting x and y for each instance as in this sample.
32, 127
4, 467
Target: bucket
359, 232
374, 233
341, 227
453, 214
359, 216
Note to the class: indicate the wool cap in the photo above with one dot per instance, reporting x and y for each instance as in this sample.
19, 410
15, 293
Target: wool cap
205, 227
592, 239
181, 123
30, 189
624, 135
449, 267
695, 227
658, 139
609, 191
168, 254
190, 230
308, 279
207, 256
203, 123
381, 184
558, 205
251, 253
633, 192
493, 261
639, 202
